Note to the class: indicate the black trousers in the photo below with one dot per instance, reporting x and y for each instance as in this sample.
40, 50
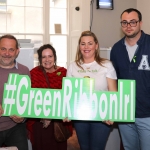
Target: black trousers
15, 136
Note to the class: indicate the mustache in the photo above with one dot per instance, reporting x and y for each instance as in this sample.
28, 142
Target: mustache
6, 56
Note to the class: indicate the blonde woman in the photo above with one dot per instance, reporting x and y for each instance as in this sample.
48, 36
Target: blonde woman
92, 135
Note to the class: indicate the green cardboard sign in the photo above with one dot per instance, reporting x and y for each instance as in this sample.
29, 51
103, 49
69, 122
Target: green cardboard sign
77, 100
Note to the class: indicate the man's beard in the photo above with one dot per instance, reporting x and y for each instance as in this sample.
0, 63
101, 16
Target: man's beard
133, 35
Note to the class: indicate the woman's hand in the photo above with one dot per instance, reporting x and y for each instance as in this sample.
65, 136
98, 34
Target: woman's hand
46, 122
66, 120
108, 122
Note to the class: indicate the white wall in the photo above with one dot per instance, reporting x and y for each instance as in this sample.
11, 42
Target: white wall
144, 6
106, 23
77, 24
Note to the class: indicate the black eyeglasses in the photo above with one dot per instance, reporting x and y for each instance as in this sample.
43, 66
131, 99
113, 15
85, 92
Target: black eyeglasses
132, 23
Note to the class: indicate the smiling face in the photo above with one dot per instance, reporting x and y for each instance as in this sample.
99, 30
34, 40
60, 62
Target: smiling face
88, 47
129, 31
48, 60
8, 53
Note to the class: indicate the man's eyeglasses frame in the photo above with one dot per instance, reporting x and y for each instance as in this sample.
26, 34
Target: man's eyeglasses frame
124, 24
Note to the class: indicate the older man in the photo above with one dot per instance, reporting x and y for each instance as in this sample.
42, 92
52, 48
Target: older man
12, 128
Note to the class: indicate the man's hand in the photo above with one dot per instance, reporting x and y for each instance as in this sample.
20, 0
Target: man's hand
1, 111
17, 119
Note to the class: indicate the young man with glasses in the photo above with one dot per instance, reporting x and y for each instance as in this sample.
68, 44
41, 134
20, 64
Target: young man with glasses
131, 59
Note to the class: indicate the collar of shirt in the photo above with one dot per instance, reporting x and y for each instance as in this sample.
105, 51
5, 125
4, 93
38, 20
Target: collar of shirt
16, 64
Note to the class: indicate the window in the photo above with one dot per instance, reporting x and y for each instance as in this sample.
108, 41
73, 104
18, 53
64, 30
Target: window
42, 21
58, 29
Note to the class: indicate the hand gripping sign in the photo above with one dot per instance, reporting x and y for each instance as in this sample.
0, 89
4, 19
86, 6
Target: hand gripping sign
77, 100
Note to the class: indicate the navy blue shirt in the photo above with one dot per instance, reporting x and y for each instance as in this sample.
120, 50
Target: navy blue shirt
137, 69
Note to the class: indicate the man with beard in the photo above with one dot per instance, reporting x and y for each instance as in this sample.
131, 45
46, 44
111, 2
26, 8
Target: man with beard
131, 59
12, 128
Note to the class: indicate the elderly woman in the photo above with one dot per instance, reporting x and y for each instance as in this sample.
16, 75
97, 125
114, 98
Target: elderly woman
46, 75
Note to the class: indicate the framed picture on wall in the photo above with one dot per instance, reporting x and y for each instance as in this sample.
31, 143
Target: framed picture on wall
104, 4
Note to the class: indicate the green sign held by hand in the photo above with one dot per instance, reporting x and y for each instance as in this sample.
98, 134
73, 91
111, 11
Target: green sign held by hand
77, 100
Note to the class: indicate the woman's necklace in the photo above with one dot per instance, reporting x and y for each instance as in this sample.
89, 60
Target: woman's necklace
88, 68
89, 65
